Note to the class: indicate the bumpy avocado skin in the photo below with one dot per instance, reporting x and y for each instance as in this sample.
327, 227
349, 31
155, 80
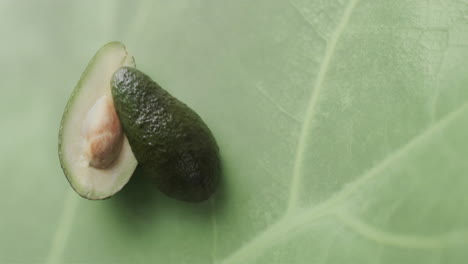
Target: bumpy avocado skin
170, 141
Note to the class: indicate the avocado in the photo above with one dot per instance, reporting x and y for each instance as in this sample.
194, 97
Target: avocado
172, 144
93, 150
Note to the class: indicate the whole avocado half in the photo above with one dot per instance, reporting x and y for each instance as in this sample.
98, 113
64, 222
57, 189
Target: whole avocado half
171, 143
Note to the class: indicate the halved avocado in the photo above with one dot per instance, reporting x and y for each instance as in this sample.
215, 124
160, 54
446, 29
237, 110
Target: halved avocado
94, 152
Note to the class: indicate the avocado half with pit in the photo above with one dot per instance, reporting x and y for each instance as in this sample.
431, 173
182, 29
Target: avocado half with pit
94, 152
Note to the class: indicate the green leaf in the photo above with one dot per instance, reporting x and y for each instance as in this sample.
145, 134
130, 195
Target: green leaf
342, 126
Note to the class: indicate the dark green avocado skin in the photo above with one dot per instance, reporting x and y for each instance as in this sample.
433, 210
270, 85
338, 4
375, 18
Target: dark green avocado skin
171, 142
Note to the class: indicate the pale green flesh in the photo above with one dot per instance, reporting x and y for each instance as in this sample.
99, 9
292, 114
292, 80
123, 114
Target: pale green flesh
89, 182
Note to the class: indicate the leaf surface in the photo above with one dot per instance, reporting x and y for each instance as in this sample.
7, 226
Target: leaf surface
342, 127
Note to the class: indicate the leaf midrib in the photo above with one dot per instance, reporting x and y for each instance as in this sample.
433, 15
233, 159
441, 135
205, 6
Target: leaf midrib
310, 112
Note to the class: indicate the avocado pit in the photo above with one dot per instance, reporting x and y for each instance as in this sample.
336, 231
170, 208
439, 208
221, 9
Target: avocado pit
102, 134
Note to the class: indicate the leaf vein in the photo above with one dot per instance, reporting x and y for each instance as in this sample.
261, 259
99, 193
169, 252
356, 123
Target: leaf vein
277, 105
310, 112
304, 17
63, 228
384, 237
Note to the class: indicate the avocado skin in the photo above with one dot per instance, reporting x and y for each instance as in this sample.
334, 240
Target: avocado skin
172, 144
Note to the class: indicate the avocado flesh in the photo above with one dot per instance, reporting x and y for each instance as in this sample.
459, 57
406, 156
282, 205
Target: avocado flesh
88, 181
172, 144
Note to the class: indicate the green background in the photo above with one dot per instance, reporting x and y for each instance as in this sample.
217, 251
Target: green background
342, 126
